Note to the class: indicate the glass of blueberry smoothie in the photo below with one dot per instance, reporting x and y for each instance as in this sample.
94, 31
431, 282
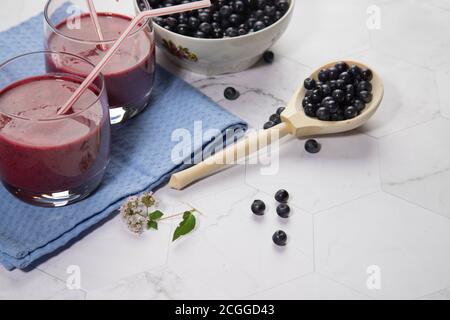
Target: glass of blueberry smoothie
129, 75
48, 159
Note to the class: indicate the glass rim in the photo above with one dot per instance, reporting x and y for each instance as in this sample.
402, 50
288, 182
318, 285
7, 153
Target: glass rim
60, 117
55, 30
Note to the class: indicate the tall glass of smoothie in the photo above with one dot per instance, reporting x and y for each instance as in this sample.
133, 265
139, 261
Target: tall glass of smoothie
129, 75
48, 159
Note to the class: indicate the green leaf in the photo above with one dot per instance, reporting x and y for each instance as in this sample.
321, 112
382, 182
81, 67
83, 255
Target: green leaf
152, 225
185, 226
155, 215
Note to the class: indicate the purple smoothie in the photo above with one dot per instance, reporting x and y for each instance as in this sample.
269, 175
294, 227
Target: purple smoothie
43, 153
129, 75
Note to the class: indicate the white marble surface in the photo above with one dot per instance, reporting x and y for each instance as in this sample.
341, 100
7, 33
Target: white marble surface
379, 196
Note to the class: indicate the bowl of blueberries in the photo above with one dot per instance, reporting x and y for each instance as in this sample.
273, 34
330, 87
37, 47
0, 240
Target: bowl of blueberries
228, 37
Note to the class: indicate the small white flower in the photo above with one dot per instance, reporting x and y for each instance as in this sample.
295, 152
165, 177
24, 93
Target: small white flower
137, 223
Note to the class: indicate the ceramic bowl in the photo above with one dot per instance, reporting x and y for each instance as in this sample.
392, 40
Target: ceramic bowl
219, 56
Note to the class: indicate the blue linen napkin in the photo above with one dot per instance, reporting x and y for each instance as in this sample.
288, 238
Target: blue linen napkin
140, 160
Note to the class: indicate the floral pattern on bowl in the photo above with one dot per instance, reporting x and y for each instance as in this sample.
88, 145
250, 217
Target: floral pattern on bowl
179, 51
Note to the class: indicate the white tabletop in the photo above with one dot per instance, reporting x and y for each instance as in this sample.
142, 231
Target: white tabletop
372, 207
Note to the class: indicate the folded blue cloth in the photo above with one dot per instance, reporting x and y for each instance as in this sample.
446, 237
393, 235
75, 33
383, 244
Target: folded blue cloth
140, 160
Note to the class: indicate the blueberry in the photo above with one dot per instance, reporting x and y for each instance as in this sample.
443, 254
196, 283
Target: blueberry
349, 88
310, 110
355, 71
204, 17
231, 93
350, 112
283, 210
231, 32
200, 34
359, 105
239, 7
183, 29
183, 18
312, 146
283, 5
309, 84
332, 106
325, 100
333, 73
349, 99
270, 11
258, 207
268, 56
366, 74
341, 66
217, 33
323, 114
225, 11
193, 23
306, 100
242, 31
282, 196
268, 124
340, 84
365, 96
326, 90
279, 238
205, 27
275, 118
332, 84
338, 95
364, 86
323, 75
338, 116
259, 25
171, 22
346, 76
280, 110
316, 98
234, 19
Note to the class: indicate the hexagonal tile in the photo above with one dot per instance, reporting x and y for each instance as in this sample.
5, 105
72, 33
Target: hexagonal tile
241, 243
410, 96
310, 287
415, 165
324, 30
111, 253
34, 284
345, 168
414, 31
407, 245
443, 84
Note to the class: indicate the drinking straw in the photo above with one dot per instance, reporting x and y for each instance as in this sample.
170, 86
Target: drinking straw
138, 19
95, 21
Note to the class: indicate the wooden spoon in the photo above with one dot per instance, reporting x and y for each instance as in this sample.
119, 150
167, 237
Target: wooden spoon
294, 121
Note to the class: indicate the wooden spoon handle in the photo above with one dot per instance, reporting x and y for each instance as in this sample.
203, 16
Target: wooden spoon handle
230, 155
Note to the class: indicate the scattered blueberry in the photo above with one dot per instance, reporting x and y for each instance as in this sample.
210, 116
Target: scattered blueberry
268, 56
275, 118
268, 124
280, 110
312, 146
279, 238
282, 196
283, 210
231, 93
258, 207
